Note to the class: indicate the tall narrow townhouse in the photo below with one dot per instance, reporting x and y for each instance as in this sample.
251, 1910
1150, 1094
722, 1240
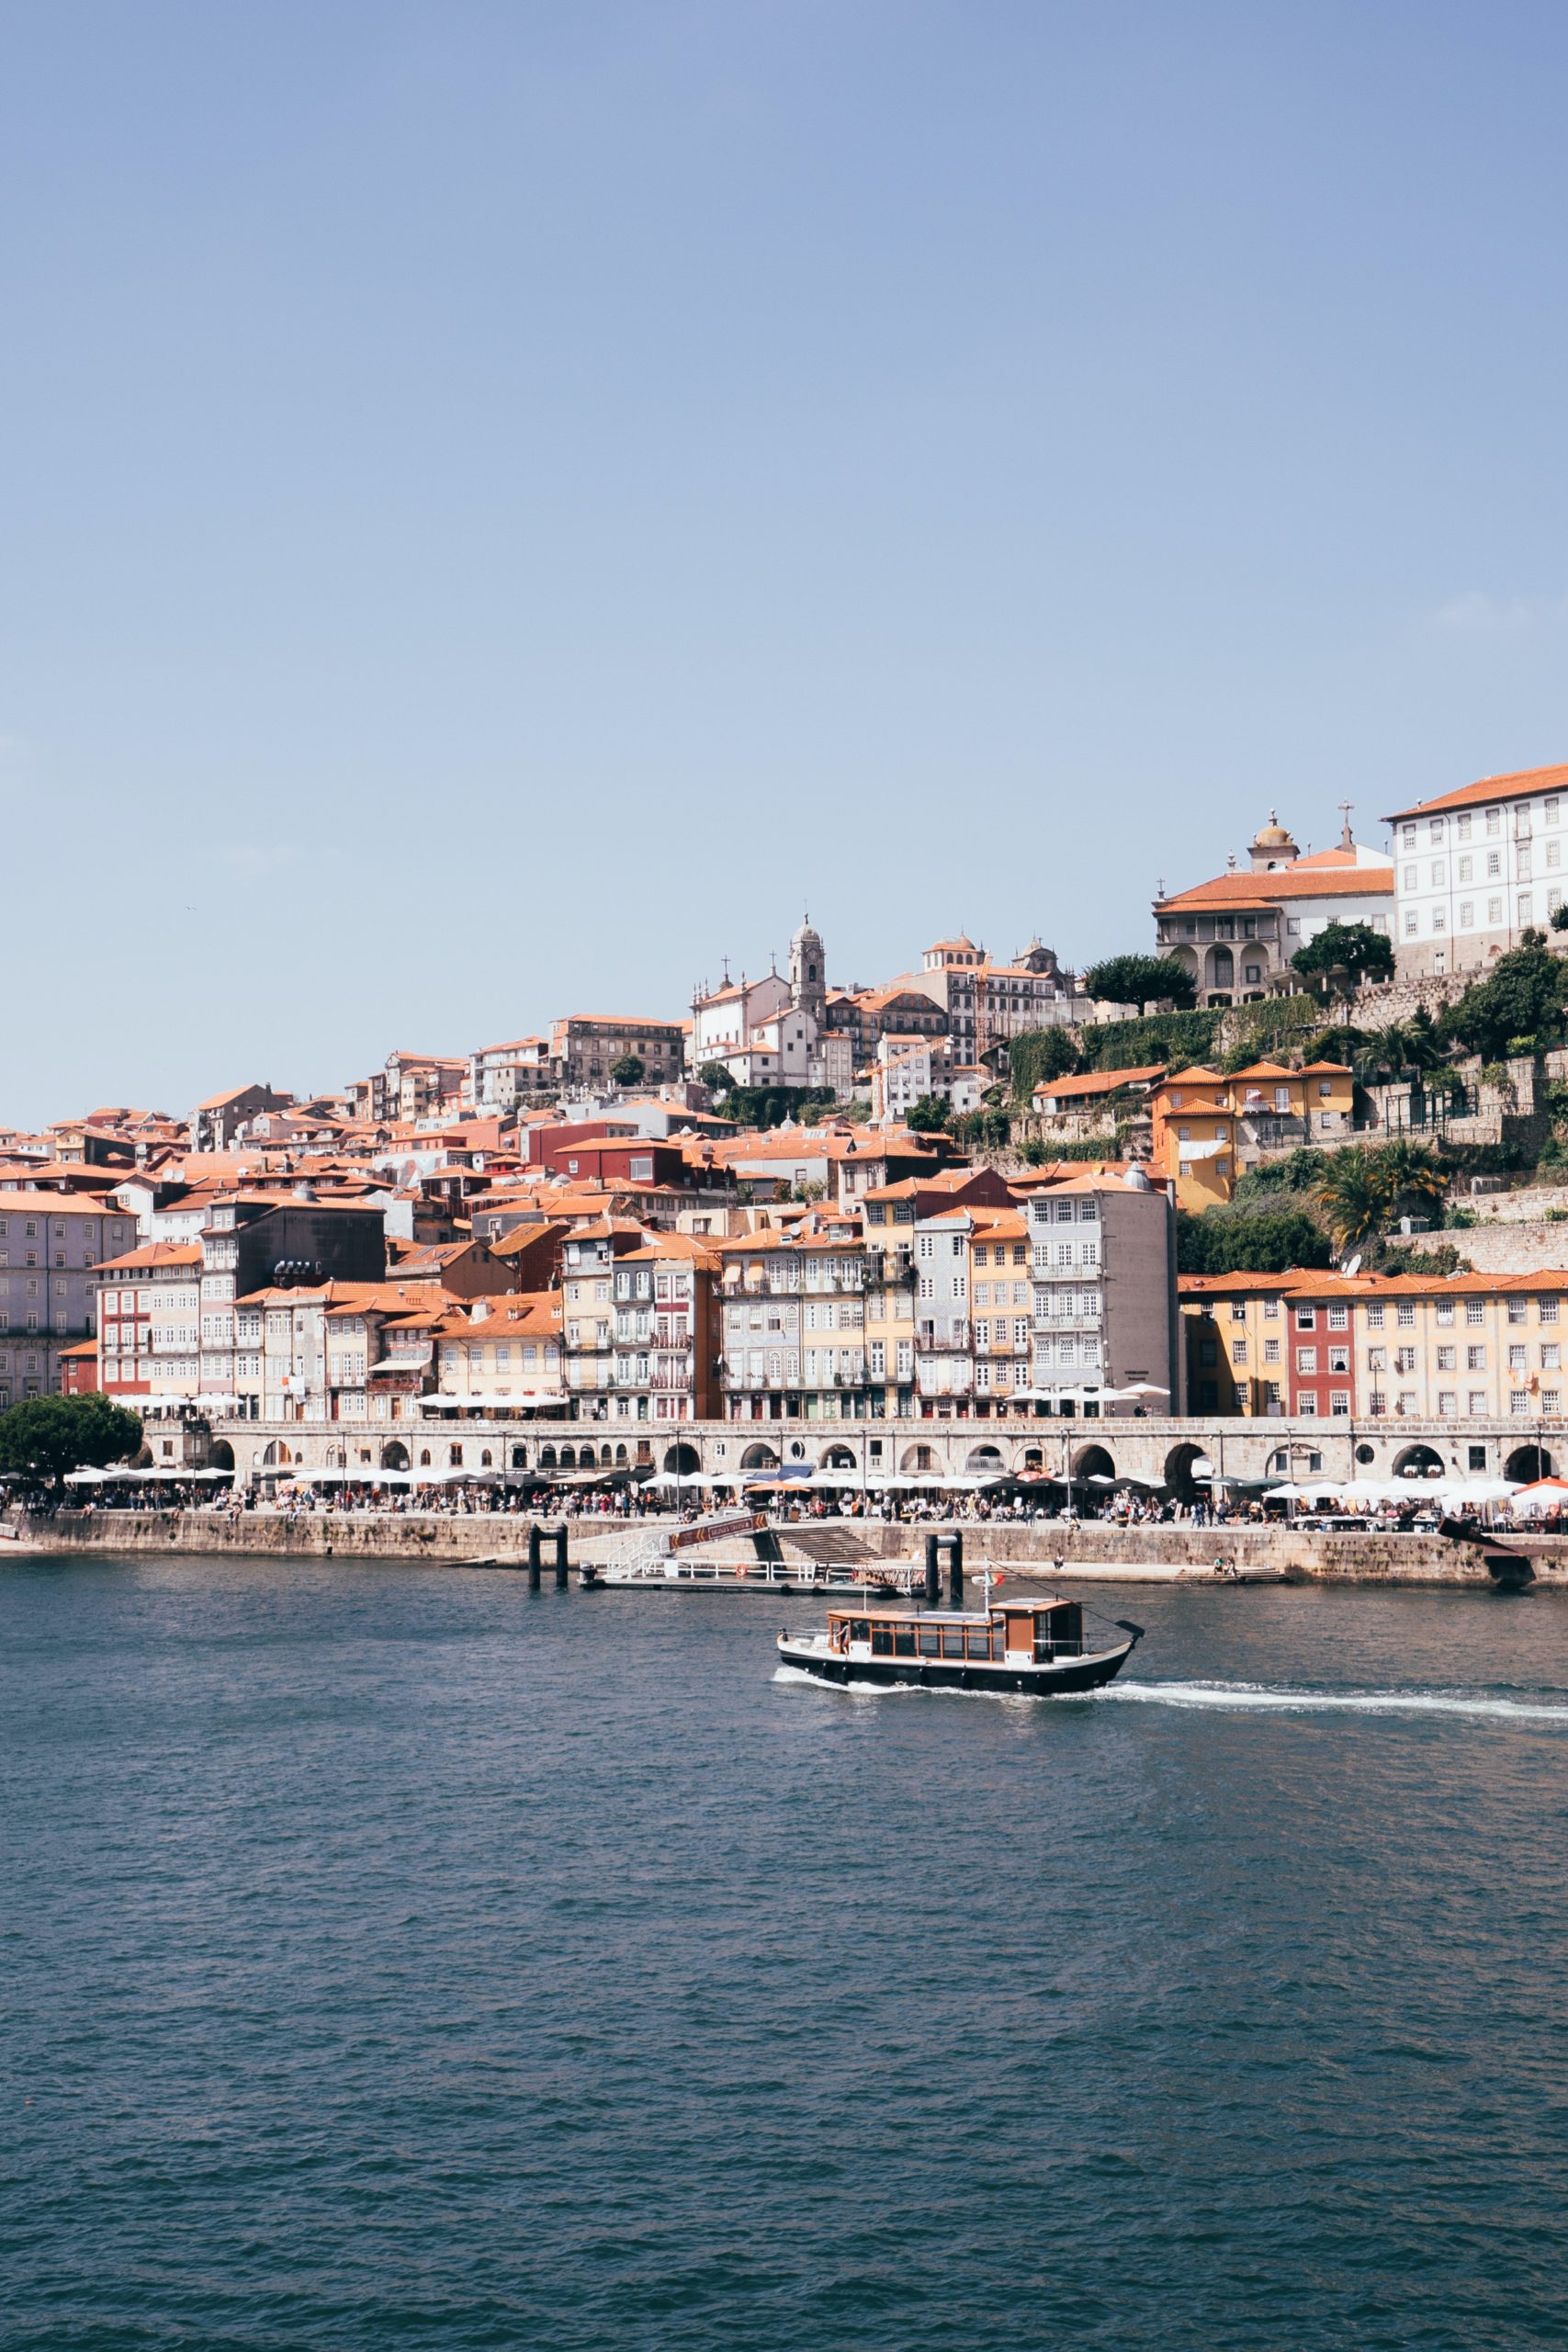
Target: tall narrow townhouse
1103, 1253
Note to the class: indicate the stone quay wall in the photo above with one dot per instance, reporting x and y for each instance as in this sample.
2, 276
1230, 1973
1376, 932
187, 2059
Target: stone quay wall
1090, 1548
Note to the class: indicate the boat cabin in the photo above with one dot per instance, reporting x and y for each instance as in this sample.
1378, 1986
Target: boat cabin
1021, 1632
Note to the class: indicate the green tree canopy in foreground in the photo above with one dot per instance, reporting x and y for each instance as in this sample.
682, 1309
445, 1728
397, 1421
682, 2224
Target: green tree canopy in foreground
44, 1437
928, 1117
627, 1070
1142, 980
1346, 953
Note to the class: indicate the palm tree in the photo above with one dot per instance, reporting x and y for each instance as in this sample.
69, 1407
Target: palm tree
1356, 1195
1411, 1172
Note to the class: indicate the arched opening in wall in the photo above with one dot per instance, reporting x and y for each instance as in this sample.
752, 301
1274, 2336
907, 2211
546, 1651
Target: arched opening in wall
758, 1457
453, 1457
334, 1458
487, 1460
918, 1458
1222, 969
1528, 1463
395, 1456
1304, 1460
603, 1457
424, 1457
620, 1454
222, 1455
520, 1457
1034, 1458
569, 1457
985, 1462
547, 1457
682, 1460
1417, 1462
1093, 1462
837, 1457
1183, 1464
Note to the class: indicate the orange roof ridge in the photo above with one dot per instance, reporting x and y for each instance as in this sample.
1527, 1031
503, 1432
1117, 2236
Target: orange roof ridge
1519, 784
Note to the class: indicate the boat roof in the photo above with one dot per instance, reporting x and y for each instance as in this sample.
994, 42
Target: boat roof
860, 1608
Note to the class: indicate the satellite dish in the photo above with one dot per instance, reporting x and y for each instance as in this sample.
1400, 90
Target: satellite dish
1351, 1266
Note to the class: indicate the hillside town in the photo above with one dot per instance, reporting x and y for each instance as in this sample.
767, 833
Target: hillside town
1303, 1172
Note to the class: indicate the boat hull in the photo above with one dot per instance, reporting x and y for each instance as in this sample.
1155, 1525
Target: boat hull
1060, 1678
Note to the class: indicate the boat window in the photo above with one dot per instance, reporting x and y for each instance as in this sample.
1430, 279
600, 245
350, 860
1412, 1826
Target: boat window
979, 1646
930, 1644
952, 1643
904, 1641
882, 1641
860, 1630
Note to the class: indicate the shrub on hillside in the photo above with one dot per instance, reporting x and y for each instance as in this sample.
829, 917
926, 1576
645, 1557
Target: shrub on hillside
1222, 1241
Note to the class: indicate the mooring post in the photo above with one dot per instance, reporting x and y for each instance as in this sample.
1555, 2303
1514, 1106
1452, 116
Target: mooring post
560, 1558
956, 1570
533, 1557
933, 1572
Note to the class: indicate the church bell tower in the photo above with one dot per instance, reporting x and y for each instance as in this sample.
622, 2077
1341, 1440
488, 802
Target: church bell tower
807, 973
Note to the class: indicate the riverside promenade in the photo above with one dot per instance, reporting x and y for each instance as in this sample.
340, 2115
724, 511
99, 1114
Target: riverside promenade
1090, 1549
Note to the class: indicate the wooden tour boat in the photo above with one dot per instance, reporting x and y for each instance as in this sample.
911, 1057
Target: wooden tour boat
1038, 1646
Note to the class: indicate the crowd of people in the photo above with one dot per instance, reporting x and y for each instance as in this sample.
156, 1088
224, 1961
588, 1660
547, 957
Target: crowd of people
1122, 1505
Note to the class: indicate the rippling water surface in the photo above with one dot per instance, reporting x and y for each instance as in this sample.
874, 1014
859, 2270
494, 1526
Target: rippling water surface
393, 1958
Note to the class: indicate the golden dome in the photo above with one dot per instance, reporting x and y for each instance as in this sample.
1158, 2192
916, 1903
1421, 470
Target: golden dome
1272, 835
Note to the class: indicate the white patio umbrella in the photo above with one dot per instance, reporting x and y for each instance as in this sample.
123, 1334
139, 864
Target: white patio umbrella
1543, 1494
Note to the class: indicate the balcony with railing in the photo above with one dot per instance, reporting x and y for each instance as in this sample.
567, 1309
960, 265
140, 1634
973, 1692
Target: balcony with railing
942, 1339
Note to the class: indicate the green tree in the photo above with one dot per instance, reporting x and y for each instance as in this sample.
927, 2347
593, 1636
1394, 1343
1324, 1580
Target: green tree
1220, 1242
984, 1130
1356, 1197
1522, 996
1364, 1189
1040, 1054
1142, 980
1294, 1172
627, 1071
716, 1078
1412, 1172
770, 1106
928, 1117
44, 1437
1342, 956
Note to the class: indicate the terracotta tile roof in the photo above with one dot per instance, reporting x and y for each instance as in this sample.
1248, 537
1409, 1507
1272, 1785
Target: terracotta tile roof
1307, 1284
60, 1205
229, 1094
1100, 1081
154, 1253
1521, 784
1255, 893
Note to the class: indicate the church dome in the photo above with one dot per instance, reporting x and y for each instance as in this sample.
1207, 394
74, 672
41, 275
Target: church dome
1272, 835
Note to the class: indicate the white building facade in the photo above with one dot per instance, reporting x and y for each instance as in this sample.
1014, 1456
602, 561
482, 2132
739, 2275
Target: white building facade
1477, 869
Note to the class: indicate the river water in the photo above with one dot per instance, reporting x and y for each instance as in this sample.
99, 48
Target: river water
394, 1957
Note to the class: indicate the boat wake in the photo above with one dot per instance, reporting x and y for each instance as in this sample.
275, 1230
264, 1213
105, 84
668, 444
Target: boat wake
1233, 1697
1253, 1698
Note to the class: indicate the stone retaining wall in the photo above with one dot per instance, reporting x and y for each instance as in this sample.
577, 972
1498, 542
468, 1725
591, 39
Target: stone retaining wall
1498, 1249
448, 1541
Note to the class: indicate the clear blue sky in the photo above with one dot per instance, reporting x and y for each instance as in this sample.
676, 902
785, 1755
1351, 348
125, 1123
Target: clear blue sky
500, 503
